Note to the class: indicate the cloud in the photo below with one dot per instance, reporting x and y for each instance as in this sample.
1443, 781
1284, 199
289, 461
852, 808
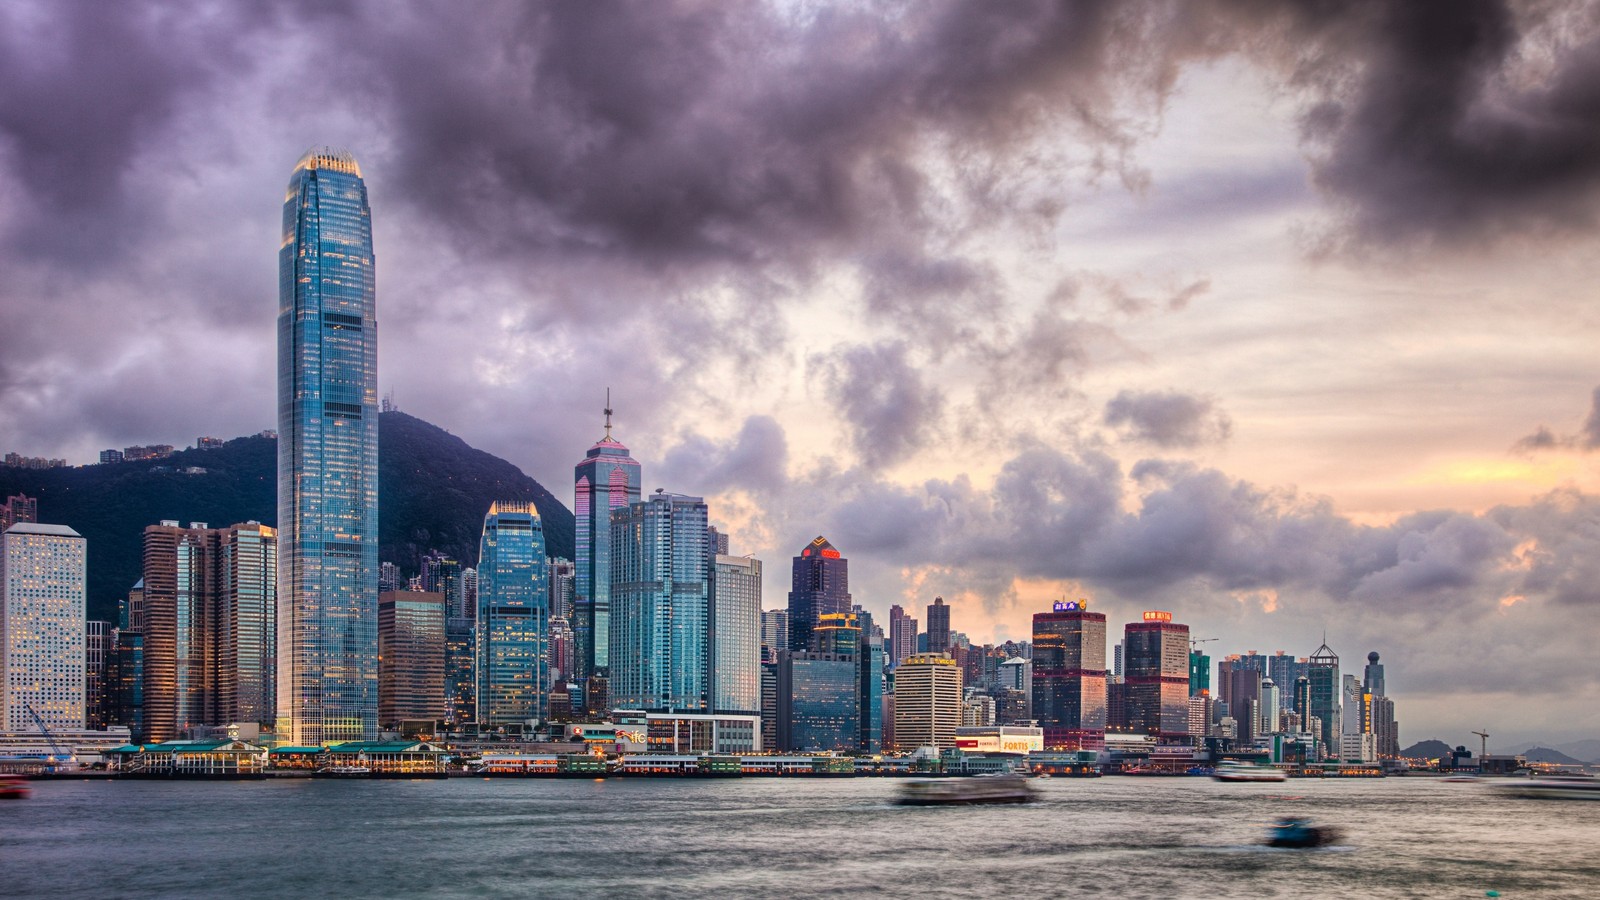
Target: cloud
1586, 439
889, 409
1167, 419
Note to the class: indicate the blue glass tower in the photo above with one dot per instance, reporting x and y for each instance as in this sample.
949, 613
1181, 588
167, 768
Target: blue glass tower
660, 593
513, 615
607, 479
327, 457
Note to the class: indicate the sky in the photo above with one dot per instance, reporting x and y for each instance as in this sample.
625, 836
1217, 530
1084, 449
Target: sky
1276, 315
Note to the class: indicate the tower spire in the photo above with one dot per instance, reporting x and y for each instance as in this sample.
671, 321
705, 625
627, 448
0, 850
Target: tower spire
608, 414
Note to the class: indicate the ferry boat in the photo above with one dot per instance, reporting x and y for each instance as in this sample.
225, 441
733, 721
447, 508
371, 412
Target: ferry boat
966, 791
1553, 787
13, 788
1247, 771
344, 772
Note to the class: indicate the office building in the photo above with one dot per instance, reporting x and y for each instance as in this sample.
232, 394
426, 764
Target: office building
513, 676
1284, 669
327, 582
1323, 701
411, 639
902, 635
99, 659
42, 572
818, 701
1069, 676
1156, 663
872, 666
1199, 672
774, 634
733, 674
659, 598
927, 702
207, 610
938, 626
608, 479
460, 670
819, 586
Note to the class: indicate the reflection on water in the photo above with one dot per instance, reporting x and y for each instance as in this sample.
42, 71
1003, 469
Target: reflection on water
1110, 837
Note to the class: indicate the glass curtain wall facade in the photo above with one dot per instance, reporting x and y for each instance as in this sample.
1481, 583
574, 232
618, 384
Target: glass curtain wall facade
513, 618
327, 457
733, 676
247, 627
1322, 677
659, 597
607, 479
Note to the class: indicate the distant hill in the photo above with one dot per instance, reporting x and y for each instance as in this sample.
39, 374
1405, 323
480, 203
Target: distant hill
1426, 750
433, 491
1587, 750
1547, 755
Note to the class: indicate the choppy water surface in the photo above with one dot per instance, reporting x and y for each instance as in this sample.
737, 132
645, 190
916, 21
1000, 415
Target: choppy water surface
1110, 837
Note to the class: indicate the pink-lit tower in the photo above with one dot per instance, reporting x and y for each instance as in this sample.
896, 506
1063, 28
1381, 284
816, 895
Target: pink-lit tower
606, 479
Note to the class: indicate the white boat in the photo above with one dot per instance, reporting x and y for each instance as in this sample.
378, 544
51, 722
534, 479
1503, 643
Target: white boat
1552, 787
1247, 771
966, 791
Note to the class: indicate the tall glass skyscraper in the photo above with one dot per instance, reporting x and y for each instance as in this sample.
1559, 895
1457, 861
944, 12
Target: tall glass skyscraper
327, 457
660, 592
607, 479
733, 655
1323, 677
513, 616
820, 586
1069, 676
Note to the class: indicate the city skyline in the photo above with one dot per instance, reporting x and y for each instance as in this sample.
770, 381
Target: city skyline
1203, 345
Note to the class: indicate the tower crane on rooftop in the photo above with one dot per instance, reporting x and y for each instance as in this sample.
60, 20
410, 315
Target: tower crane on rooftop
1484, 747
1195, 642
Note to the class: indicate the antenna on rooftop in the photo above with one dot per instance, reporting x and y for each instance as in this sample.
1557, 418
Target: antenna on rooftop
608, 414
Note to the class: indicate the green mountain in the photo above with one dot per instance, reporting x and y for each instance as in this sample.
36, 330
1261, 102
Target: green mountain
433, 491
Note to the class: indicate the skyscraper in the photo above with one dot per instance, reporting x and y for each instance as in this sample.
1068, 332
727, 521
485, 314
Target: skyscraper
659, 604
327, 457
42, 572
820, 585
1156, 660
1069, 676
902, 635
209, 606
733, 676
17, 509
938, 626
1324, 700
606, 480
927, 702
774, 634
871, 664
411, 667
513, 640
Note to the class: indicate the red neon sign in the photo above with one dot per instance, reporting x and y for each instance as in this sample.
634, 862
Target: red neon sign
1156, 615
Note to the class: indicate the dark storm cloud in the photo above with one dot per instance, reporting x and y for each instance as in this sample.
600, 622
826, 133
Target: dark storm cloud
1446, 121
887, 405
1167, 419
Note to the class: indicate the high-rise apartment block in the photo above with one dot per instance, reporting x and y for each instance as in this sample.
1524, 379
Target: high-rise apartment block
1069, 676
42, 603
659, 597
411, 656
513, 677
327, 457
17, 509
1156, 663
902, 635
608, 479
819, 586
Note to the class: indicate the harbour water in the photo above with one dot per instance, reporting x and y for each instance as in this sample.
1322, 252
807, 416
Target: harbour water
1109, 837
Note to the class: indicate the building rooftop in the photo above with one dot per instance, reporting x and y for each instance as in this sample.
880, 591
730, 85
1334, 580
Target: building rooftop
36, 528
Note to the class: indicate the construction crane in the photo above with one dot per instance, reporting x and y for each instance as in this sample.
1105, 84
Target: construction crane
1484, 748
57, 755
1194, 642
